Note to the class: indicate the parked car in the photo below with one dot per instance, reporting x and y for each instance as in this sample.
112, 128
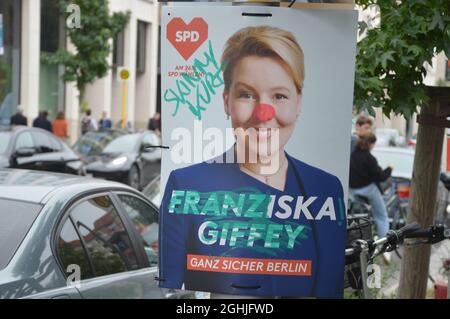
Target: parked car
55, 226
397, 193
389, 137
33, 148
132, 159
153, 191
412, 141
92, 143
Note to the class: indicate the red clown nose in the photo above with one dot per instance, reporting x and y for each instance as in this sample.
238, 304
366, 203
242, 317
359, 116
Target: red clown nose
264, 112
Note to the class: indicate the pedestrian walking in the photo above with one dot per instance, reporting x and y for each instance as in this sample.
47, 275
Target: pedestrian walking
60, 126
42, 122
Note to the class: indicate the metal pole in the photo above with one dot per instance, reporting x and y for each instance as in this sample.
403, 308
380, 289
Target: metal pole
363, 260
124, 103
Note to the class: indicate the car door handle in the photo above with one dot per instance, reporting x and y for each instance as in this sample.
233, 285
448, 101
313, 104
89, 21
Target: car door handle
61, 297
169, 295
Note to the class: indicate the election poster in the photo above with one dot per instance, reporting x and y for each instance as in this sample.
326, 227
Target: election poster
256, 106
2, 48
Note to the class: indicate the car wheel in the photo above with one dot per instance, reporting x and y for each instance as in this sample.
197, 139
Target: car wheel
133, 177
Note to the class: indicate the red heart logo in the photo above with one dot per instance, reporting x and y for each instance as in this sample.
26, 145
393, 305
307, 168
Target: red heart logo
187, 38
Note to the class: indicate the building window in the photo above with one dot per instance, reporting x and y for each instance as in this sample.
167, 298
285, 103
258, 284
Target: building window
105, 237
118, 49
51, 85
447, 70
141, 46
10, 39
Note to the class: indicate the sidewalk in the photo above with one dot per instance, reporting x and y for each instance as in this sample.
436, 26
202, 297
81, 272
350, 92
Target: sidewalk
391, 272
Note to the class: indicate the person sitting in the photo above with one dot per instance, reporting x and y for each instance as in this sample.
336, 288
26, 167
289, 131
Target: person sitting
365, 174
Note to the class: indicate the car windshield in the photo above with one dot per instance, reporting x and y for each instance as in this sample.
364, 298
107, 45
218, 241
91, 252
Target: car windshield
390, 132
16, 218
5, 138
153, 191
123, 144
403, 162
93, 143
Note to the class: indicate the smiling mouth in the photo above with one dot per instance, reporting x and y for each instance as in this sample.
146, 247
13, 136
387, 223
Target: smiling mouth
265, 133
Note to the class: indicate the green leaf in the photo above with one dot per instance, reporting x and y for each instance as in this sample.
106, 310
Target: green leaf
92, 42
415, 49
386, 56
437, 21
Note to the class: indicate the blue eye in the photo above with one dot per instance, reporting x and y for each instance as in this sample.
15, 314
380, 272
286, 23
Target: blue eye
245, 95
280, 96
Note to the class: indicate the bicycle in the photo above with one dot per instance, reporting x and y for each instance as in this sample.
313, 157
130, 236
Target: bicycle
367, 250
396, 197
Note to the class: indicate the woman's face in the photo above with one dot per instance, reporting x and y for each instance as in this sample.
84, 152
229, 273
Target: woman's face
263, 80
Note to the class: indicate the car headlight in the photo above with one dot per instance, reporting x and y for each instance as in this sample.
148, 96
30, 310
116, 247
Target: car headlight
118, 161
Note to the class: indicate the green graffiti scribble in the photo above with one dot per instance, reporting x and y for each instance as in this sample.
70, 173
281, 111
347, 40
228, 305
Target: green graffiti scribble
284, 242
203, 88
254, 230
260, 249
245, 202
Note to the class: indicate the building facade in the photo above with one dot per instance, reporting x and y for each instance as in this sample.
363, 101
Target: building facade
32, 29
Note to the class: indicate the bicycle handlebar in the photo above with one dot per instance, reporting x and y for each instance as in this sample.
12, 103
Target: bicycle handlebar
395, 237
433, 234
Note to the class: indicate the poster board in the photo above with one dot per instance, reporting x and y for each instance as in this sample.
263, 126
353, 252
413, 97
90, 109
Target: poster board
224, 228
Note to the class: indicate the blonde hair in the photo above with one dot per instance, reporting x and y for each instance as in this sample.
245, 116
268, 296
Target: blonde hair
264, 41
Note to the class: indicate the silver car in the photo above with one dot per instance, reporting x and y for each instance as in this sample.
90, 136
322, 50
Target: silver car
63, 236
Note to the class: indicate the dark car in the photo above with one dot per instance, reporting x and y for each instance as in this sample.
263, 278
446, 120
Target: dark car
34, 148
92, 143
65, 236
132, 159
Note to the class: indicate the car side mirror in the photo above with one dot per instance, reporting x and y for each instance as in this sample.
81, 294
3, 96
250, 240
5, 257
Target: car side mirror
445, 179
25, 152
147, 148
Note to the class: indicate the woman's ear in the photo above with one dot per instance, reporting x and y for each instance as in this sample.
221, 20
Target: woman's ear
299, 104
225, 103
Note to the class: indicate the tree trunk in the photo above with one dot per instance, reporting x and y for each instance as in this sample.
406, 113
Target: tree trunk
427, 160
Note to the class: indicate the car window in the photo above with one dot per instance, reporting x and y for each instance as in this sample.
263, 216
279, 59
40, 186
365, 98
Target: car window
24, 140
122, 144
105, 236
150, 139
44, 143
145, 220
71, 251
56, 144
16, 218
153, 192
5, 138
93, 143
